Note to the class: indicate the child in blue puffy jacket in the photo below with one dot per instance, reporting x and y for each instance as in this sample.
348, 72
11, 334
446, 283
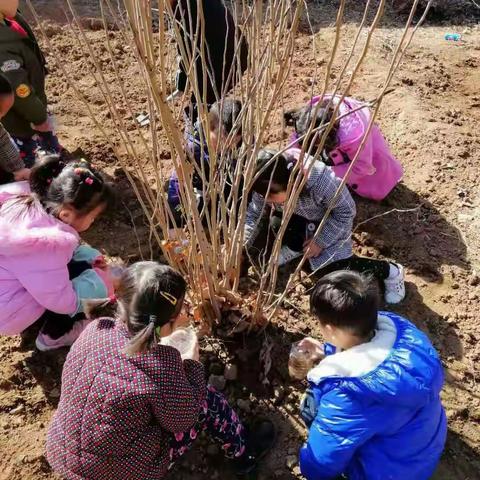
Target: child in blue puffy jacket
373, 404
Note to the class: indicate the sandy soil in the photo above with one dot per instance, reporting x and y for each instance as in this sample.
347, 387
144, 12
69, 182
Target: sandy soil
430, 223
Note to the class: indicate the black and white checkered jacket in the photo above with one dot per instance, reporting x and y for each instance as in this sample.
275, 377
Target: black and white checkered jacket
10, 160
318, 192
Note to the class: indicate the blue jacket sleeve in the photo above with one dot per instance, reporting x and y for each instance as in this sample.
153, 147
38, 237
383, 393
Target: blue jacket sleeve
340, 427
88, 285
85, 253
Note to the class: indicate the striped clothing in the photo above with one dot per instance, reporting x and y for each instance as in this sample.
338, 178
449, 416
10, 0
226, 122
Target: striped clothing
318, 192
10, 160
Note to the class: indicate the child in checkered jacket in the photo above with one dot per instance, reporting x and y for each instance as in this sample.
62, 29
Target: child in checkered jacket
328, 249
131, 405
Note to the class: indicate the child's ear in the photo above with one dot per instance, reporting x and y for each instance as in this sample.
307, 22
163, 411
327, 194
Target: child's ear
290, 116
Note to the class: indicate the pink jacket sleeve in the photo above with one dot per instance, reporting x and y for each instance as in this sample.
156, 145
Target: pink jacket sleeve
46, 278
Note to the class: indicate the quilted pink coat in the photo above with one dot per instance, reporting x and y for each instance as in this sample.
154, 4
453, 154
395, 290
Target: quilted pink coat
35, 249
117, 413
376, 171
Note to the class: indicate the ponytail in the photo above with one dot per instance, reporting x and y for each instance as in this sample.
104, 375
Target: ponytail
143, 340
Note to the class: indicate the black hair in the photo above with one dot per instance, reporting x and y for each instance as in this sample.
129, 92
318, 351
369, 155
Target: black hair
76, 183
224, 114
5, 86
302, 119
347, 300
274, 175
149, 295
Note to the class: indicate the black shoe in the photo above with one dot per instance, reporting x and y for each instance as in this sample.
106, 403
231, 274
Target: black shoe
261, 436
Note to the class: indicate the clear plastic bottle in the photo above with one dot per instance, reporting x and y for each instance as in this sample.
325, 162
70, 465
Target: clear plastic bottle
303, 356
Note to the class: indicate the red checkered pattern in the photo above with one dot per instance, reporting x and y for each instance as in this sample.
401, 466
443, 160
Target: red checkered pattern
117, 413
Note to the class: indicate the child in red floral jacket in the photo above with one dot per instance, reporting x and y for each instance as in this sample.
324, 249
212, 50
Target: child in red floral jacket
131, 407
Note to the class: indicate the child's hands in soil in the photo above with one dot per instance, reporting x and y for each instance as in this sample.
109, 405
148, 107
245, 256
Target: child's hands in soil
311, 249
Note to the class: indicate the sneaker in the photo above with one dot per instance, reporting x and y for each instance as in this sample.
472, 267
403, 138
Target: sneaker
286, 255
45, 343
395, 285
260, 439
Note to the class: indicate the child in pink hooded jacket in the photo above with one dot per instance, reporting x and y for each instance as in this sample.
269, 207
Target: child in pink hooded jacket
375, 172
44, 273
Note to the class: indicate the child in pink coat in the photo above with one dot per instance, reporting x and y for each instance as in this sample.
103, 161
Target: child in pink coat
375, 172
44, 273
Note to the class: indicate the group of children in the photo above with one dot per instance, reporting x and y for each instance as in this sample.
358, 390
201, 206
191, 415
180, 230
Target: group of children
131, 406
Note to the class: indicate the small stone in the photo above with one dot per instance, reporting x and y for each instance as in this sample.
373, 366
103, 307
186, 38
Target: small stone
217, 381
455, 286
243, 405
213, 450
19, 409
291, 461
230, 372
474, 280
55, 393
208, 348
296, 470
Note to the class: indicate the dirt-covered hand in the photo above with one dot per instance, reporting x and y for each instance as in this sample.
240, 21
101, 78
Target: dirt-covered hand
311, 249
22, 174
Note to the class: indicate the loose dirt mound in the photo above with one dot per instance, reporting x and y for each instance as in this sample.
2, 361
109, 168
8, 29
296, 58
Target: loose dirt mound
430, 223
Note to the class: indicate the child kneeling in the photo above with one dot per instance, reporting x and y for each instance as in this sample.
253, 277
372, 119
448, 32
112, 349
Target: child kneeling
131, 407
331, 248
373, 408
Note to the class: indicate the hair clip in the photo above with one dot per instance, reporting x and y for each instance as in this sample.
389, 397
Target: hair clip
49, 181
152, 319
169, 297
89, 181
112, 298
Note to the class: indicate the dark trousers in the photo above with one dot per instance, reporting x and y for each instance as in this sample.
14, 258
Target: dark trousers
298, 230
6, 177
29, 146
55, 325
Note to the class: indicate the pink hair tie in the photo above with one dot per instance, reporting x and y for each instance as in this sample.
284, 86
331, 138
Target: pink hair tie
89, 181
112, 298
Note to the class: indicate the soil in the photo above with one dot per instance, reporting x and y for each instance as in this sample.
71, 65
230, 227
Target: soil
430, 223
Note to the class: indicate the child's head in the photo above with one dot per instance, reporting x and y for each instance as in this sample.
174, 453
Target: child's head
8, 8
223, 116
150, 298
346, 304
7, 97
273, 176
75, 193
302, 120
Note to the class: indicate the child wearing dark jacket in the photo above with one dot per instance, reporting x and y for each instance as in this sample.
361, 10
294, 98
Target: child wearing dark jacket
226, 50
23, 63
224, 137
131, 406
373, 406
331, 248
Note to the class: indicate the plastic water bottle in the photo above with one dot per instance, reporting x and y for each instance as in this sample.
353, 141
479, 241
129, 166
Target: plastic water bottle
454, 37
301, 360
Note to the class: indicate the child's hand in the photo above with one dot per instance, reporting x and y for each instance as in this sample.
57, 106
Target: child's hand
100, 263
22, 174
311, 248
314, 347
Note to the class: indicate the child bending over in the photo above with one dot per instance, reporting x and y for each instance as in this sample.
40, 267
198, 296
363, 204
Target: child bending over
131, 407
44, 273
376, 170
12, 167
331, 249
225, 136
373, 408
23, 63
